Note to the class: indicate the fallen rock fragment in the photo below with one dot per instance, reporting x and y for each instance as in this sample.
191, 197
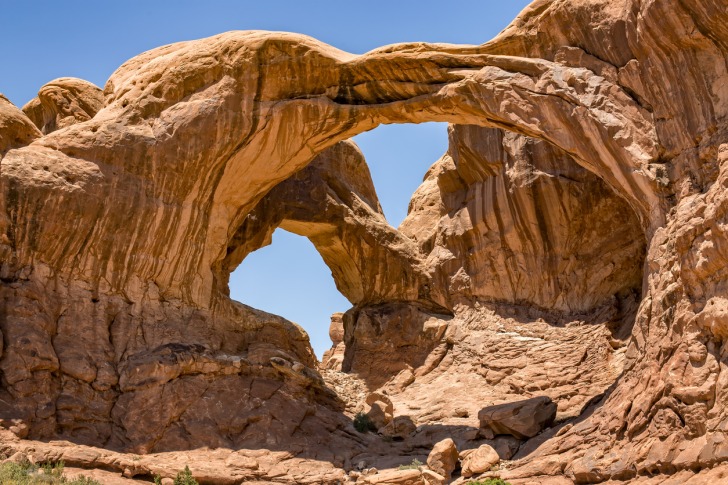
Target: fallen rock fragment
394, 477
522, 419
432, 478
443, 458
479, 460
381, 409
16, 426
401, 427
506, 446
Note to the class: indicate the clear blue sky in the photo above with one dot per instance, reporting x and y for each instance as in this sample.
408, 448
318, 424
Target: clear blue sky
40, 41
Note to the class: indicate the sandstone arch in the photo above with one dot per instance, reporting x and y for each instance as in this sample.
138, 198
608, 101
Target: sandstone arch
333, 203
117, 229
216, 92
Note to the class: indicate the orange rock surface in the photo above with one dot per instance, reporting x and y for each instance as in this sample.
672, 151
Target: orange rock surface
572, 243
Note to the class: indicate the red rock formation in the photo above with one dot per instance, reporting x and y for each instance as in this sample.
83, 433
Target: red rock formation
64, 102
579, 256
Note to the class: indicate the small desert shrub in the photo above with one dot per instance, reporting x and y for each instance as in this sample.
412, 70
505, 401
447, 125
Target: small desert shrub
362, 423
27, 473
412, 466
488, 481
185, 477
16, 473
53, 470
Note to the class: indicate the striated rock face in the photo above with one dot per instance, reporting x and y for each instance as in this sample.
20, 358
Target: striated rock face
512, 219
571, 243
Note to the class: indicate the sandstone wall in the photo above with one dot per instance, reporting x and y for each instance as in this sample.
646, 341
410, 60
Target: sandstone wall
513, 219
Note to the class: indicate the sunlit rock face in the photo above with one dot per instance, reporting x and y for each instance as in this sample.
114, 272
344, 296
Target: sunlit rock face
571, 243
64, 102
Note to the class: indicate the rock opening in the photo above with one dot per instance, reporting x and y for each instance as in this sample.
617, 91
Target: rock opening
289, 278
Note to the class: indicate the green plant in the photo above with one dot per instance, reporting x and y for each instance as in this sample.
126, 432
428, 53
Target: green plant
54, 470
412, 466
16, 473
26, 473
157, 480
185, 477
488, 481
362, 423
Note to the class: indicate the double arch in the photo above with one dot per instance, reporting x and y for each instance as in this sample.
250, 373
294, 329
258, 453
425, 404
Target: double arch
209, 127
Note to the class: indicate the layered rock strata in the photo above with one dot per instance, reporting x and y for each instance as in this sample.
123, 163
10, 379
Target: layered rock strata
571, 242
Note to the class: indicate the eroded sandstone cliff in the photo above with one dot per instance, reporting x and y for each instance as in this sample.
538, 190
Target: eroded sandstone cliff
571, 244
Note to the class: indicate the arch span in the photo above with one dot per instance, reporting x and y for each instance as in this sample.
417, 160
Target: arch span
208, 127
333, 203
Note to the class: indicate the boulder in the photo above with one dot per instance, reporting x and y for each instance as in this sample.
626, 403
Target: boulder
522, 419
443, 458
432, 478
394, 477
401, 427
479, 460
381, 409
